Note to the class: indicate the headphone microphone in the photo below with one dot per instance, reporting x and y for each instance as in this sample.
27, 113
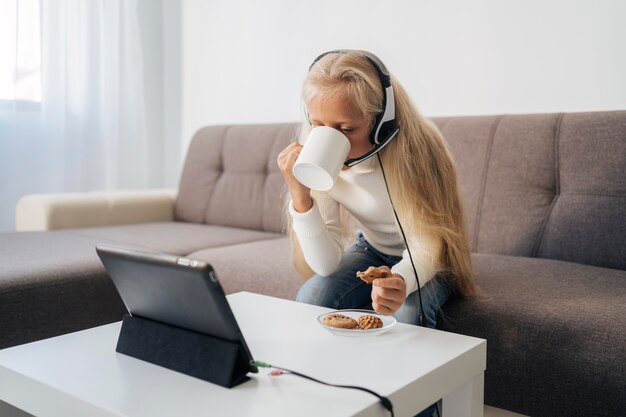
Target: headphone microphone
385, 127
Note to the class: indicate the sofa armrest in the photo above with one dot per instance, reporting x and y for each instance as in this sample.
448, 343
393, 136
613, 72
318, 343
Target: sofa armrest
37, 212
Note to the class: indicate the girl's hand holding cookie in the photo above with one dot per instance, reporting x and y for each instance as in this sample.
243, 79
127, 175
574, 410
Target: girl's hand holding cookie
388, 293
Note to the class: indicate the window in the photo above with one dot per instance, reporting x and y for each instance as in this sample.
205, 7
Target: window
20, 50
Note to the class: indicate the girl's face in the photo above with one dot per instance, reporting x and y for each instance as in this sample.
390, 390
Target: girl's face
338, 113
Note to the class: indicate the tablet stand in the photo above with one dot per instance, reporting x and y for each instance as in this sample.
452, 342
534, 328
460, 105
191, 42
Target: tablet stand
199, 355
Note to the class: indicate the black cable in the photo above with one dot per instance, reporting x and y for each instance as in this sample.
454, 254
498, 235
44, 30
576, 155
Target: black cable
437, 409
383, 400
419, 289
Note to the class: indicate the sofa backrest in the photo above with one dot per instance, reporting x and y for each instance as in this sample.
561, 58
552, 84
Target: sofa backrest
541, 185
230, 177
544, 185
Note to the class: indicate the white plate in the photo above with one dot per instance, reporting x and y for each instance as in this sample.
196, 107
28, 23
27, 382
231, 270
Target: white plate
388, 323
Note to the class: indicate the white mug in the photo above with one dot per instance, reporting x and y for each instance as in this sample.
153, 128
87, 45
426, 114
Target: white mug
321, 158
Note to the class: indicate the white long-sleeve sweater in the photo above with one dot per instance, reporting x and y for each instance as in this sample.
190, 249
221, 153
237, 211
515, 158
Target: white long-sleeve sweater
361, 190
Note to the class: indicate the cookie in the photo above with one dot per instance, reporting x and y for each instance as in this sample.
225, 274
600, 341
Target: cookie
368, 321
339, 320
371, 274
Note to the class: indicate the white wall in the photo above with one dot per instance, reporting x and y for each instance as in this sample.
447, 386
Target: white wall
244, 60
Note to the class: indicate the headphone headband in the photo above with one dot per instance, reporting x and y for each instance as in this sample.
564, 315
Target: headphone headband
385, 79
384, 128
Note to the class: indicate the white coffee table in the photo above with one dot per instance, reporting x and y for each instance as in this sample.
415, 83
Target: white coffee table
80, 374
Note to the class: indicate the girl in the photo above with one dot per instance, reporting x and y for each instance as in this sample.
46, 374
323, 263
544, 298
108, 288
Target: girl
414, 171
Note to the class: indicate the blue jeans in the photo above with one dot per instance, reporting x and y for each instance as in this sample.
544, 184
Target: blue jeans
343, 289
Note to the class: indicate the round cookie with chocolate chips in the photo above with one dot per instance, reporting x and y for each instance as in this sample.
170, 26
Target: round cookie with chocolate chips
340, 321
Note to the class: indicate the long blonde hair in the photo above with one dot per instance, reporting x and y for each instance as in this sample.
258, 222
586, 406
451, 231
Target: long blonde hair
418, 165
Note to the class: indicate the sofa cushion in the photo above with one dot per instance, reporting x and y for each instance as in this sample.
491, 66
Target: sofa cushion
519, 185
262, 267
555, 335
588, 221
507, 180
469, 139
33, 258
231, 177
52, 283
177, 238
546, 185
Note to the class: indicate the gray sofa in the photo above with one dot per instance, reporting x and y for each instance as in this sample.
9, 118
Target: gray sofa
545, 202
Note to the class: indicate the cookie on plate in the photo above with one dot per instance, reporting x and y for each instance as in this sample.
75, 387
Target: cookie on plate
340, 321
368, 321
371, 274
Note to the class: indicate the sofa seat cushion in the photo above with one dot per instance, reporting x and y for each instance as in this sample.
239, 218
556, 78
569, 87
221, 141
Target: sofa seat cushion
35, 257
177, 238
262, 267
53, 283
555, 334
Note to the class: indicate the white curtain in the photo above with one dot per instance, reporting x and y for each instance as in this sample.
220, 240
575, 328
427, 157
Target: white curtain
100, 123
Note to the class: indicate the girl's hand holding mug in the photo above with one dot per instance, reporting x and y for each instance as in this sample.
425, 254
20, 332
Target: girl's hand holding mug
300, 194
316, 165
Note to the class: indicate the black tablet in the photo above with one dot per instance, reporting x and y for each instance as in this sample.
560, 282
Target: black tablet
174, 290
